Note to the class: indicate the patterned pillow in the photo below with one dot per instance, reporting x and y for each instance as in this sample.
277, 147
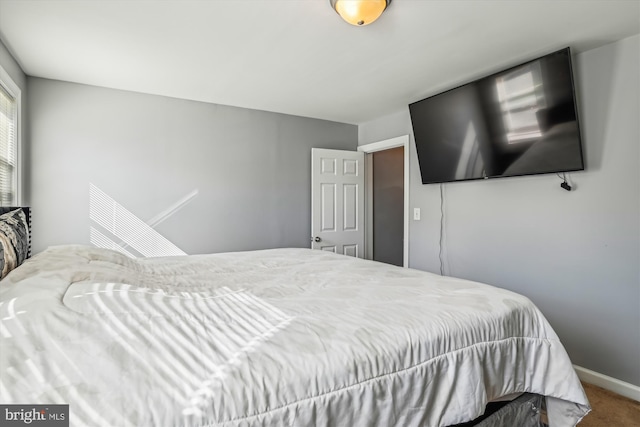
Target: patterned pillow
14, 240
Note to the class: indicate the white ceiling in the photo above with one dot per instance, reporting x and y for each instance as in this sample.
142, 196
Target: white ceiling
298, 56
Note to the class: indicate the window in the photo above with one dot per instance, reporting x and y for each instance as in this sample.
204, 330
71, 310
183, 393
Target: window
9, 115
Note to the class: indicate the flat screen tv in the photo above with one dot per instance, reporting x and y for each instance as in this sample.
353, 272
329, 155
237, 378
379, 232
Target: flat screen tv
520, 121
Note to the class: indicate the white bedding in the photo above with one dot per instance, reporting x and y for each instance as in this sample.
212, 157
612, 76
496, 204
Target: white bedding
277, 337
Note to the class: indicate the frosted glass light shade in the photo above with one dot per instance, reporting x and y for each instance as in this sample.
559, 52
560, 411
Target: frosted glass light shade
360, 12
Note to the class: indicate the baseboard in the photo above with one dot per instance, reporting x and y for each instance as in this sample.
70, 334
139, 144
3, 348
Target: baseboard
608, 383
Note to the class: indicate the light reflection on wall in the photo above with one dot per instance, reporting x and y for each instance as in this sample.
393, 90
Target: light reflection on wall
129, 233
100, 240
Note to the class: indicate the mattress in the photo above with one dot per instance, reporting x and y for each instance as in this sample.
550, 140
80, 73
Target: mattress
275, 337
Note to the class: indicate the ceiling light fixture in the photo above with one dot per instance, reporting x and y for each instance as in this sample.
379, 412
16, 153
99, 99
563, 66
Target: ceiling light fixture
360, 12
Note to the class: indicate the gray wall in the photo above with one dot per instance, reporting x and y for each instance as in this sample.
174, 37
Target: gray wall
11, 66
575, 254
251, 168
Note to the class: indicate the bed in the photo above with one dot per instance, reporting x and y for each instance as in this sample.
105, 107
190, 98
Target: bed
280, 337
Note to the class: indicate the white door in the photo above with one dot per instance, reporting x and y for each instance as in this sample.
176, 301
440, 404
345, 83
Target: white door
337, 201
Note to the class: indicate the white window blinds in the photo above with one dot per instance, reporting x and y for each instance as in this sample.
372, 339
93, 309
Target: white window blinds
8, 147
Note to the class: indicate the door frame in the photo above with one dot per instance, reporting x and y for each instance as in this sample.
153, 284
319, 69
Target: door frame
399, 141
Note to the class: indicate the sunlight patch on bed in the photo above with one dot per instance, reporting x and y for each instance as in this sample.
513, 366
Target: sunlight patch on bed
28, 374
9, 313
181, 332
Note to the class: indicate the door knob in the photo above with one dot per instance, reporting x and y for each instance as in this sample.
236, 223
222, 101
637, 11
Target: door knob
316, 239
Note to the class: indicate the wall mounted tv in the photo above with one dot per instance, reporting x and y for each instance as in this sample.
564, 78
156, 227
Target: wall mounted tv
520, 121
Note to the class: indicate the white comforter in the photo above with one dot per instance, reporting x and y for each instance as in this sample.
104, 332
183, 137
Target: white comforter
278, 337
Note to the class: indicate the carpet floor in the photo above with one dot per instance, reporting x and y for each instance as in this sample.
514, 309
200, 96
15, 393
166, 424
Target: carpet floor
610, 409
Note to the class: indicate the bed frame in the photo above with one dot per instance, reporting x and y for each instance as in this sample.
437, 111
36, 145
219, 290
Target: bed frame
526, 410
27, 213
